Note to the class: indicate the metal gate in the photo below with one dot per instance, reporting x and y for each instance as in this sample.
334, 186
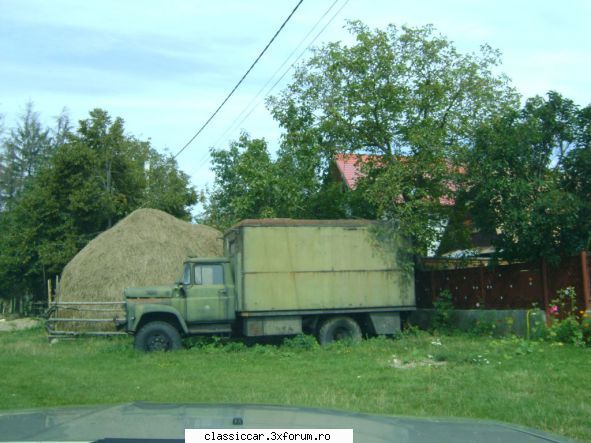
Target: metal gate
84, 318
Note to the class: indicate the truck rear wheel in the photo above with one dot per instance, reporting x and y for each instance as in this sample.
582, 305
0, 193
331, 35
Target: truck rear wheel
339, 328
157, 336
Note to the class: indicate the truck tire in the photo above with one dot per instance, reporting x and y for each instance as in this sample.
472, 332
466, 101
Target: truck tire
157, 336
339, 328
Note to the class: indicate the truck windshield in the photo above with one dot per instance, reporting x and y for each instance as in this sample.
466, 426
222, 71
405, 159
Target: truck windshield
209, 275
187, 274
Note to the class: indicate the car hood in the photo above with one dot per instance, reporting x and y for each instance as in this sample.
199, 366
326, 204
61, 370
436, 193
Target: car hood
168, 422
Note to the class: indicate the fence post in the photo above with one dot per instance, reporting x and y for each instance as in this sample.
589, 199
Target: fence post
58, 291
482, 293
585, 274
545, 290
432, 281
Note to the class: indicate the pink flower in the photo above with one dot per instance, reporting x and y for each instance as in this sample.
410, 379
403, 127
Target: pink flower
554, 309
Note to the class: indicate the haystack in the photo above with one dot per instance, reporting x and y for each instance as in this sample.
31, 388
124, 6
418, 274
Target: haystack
146, 248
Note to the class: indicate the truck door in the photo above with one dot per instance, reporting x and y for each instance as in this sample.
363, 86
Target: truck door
208, 298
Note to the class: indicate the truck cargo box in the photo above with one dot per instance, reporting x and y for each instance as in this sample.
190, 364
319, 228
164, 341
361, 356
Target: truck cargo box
284, 265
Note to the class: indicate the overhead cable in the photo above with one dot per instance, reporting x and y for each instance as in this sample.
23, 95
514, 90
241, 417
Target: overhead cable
203, 161
239, 82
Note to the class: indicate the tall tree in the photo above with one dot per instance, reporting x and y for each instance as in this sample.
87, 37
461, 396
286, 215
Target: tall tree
96, 177
526, 184
62, 129
249, 183
553, 120
115, 154
25, 150
576, 178
408, 98
245, 183
166, 187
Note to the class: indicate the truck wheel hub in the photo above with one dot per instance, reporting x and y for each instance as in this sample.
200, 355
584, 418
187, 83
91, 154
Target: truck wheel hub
158, 342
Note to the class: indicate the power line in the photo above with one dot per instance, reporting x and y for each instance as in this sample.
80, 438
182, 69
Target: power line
203, 161
298, 58
239, 120
254, 99
240, 81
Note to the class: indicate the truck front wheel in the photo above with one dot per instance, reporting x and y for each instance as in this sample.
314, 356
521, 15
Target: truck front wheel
157, 336
339, 328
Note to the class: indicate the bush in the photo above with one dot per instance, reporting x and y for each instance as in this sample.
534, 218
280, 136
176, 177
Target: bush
444, 308
484, 326
536, 323
586, 327
301, 341
410, 331
214, 344
567, 325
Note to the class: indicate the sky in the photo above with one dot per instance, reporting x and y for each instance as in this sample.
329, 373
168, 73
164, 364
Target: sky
165, 66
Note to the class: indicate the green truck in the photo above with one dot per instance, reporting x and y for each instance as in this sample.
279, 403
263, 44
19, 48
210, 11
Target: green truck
330, 278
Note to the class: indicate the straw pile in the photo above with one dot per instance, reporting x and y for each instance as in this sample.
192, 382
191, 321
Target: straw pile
146, 248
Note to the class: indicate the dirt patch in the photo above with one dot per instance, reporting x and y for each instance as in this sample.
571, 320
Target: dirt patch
18, 324
398, 363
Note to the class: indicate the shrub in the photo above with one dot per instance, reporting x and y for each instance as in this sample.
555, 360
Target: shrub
484, 326
301, 341
566, 324
410, 331
444, 308
536, 324
586, 326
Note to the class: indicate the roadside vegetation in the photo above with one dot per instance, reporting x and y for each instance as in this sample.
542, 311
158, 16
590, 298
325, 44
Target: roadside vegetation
465, 134
540, 384
431, 126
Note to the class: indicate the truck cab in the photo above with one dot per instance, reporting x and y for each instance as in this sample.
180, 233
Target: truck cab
207, 288
202, 301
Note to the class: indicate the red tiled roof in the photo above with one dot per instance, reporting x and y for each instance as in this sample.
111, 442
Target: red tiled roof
348, 166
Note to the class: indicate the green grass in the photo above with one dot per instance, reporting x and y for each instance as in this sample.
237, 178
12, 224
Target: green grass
535, 384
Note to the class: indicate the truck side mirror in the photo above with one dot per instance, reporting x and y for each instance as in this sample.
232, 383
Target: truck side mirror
181, 287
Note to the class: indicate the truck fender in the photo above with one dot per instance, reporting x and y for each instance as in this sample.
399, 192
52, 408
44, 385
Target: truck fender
143, 310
